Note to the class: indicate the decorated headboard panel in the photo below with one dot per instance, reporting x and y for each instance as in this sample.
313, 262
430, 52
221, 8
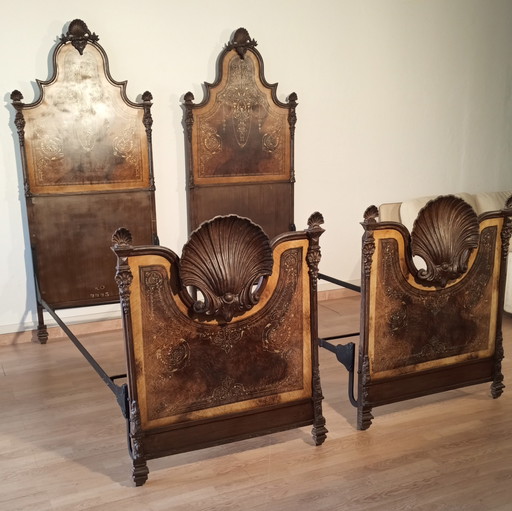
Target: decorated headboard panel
222, 343
240, 144
87, 164
432, 303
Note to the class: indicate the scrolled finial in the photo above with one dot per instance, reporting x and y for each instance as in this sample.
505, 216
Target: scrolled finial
370, 215
315, 220
122, 238
147, 97
16, 96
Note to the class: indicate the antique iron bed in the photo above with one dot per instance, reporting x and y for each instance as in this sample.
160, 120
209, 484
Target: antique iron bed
87, 165
197, 374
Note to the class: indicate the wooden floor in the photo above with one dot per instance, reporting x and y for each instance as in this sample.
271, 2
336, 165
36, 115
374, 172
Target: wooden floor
63, 445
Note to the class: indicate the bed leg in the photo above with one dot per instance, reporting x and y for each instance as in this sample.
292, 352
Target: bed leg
140, 471
42, 331
497, 385
319, 431
364, 417
135, 441
497, 388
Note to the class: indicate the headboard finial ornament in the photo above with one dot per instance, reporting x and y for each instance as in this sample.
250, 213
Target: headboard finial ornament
79, 35
147, 97
16, 96
315, 220
241, 42
370, 215
122, 238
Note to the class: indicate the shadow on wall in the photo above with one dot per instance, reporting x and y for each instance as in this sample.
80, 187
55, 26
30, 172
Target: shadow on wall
29, 314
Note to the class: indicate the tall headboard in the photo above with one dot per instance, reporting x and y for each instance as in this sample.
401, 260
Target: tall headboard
87, 165
240, 142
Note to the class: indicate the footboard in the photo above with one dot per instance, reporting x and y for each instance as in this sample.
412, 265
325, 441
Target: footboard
432, 303
222, 343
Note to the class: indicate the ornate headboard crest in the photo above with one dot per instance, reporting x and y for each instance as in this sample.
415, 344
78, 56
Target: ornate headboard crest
444, 234
122, 238
79, 35
228, 260
241, 42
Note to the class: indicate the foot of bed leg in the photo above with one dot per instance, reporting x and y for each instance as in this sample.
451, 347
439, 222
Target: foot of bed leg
497, 388
319, 434
364, 417
140, 472
42, 334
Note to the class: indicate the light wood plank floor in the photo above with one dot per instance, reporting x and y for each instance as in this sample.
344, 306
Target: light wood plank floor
63, 445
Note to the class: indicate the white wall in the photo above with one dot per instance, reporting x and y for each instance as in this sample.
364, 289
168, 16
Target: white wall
397, 98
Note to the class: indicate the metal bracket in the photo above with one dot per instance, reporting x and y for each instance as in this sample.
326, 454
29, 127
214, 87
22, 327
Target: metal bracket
345, 353
122, 399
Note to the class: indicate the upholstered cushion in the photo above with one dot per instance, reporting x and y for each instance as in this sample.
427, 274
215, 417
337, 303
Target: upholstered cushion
491, 201
389, 212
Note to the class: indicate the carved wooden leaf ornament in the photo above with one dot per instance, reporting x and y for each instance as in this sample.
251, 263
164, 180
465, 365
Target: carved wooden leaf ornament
228, 260
444, 235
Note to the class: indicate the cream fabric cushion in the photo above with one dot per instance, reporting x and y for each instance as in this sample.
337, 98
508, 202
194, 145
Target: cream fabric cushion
389, 212
491, 201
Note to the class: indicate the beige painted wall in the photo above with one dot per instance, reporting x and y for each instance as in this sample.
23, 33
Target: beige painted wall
397, 98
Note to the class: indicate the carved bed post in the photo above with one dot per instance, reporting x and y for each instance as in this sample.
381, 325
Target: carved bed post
122, 244
140, 467
364, 415
19, 121
189, 153
313, 257
497, 385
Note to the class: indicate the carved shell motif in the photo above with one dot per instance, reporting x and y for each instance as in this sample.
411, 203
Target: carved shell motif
122, 238
228, 260
444, 235
241, 42
79, 35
